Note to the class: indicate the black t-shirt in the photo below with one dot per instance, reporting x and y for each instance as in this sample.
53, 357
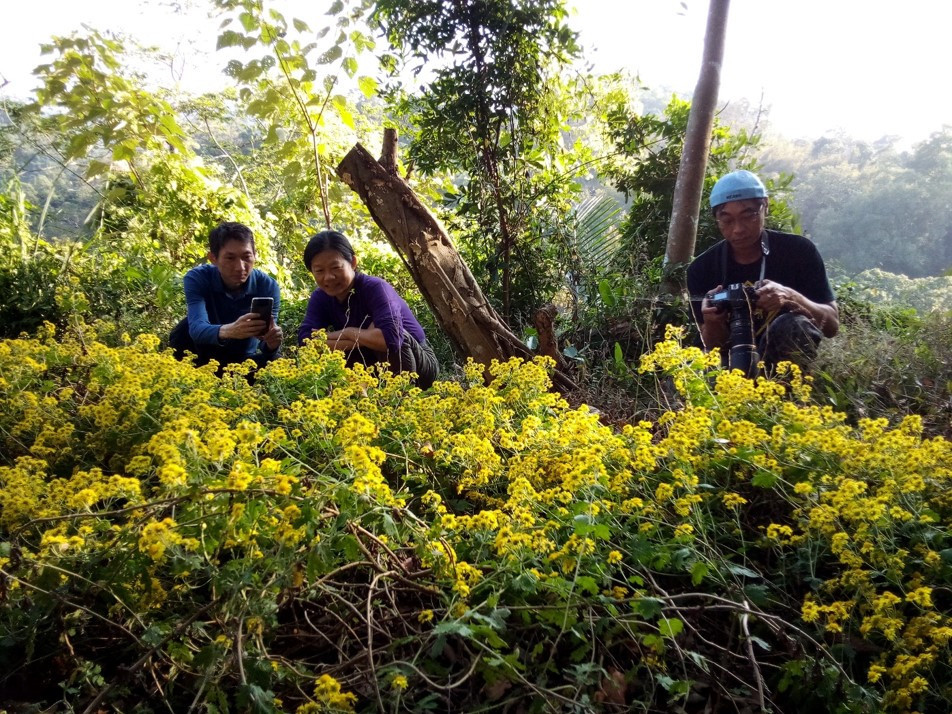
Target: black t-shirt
793, 261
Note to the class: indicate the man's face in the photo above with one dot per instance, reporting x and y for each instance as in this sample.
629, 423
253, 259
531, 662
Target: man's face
741, 222
235, 261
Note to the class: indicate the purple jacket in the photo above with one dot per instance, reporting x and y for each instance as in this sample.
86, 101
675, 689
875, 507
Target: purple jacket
370, 300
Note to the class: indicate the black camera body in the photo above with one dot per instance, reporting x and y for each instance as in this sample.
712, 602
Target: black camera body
738, 300
734, 297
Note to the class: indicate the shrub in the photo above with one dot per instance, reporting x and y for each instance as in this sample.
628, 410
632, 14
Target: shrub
334, 540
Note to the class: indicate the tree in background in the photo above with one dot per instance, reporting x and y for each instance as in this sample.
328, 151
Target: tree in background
871, 206
492, 114
686, 202
645, 170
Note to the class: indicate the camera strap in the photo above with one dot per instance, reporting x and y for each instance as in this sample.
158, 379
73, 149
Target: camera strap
764, 252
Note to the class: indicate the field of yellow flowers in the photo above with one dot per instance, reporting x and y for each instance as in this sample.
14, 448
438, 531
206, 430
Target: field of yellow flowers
332, 540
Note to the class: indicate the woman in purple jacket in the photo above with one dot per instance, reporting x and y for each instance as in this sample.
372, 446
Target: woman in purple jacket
363, 315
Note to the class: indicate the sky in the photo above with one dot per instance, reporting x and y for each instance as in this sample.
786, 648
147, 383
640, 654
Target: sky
861, 67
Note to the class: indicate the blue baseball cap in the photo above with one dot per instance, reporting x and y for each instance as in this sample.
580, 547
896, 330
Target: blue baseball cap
737, 186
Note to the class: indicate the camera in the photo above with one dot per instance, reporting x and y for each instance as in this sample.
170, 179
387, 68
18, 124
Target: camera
738, 300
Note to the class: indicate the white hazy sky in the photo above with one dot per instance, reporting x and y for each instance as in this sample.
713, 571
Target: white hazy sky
867, 67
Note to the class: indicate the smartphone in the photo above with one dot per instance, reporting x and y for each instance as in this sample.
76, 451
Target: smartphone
262, 307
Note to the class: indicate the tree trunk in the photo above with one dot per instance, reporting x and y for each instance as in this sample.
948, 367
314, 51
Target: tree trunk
445, 281
682, 234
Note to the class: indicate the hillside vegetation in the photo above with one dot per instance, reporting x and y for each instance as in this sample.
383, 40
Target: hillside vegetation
309, 538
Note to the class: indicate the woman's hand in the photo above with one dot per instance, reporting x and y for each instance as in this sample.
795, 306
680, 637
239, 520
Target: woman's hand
350, 337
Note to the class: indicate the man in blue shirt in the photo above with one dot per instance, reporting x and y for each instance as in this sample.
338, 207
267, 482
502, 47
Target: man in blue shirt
220, 324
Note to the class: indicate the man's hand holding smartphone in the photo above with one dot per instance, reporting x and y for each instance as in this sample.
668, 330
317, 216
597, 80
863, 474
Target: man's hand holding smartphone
263, 309
259, 322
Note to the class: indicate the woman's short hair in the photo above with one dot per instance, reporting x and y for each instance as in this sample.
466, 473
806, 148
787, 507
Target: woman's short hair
328, 240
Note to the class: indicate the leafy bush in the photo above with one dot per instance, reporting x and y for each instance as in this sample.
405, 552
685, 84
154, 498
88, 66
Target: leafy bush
336, 540
66, 282
889, 360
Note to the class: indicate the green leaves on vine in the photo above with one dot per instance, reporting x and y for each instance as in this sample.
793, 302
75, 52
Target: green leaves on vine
291, 89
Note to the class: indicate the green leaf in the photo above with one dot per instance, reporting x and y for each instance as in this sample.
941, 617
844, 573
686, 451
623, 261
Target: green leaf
96, 168
764, 479
124, 151
670, 627
229, 38
346, 116
248, 21
648, 607
453, 627
333, 54
368, 86
336, 7
350, 66
350, 547
757, 594
606, 293
698, 572
588, 584
741, 570
300, 25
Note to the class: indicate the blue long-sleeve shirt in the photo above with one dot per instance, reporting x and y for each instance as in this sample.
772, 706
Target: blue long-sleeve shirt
370, 300
210, 306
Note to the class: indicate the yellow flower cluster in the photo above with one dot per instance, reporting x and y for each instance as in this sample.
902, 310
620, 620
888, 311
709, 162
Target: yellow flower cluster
330, 697
158, 536
478, 483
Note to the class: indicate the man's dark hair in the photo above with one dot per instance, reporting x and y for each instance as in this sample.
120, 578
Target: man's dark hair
761, 201
227, 231
328, 240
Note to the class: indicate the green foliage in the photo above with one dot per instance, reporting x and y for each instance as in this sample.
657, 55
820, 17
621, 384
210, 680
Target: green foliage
889, 360
645, 170
493, 114
291, 88
472, 542
100, 105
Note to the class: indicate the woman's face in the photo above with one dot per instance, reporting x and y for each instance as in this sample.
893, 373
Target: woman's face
333, 273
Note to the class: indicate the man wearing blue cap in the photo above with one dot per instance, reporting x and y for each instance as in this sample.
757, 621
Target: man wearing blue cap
793, 305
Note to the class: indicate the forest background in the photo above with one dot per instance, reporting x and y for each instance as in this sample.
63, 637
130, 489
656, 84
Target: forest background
249, 512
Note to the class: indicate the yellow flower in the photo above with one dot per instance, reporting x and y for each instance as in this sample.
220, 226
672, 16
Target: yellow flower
921, 597
399, 682
810, 610
733, 500
875, 673
327, 691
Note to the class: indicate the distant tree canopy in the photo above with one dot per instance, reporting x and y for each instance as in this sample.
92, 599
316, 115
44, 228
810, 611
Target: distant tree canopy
871, 206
